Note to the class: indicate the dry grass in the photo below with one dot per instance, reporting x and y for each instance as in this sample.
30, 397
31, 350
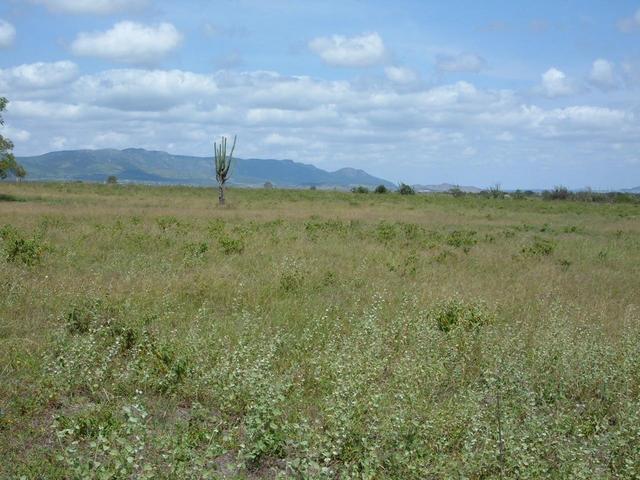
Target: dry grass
312, 348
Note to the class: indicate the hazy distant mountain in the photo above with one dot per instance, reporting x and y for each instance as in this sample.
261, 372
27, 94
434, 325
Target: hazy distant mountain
631, 190
139, 165
445, 187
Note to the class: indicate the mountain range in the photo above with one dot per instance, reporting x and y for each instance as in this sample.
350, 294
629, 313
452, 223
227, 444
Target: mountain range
145, 166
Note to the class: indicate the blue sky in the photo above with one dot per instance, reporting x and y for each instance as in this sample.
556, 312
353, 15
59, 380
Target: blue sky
527, 94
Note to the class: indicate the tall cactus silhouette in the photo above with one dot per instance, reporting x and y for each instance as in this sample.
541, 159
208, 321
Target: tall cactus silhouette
222, 164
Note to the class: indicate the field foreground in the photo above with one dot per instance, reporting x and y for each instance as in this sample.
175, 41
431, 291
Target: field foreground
147, 333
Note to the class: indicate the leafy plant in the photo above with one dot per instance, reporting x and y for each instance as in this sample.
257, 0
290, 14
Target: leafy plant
20, 249
539, 247
231, 245
404, 189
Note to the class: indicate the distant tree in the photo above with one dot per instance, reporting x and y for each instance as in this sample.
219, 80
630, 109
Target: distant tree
8, 162
360, 189
558, 193
20, 173
381, 189
496, 191
112, 180
405, 189
456, 191
313, 187
268, 185
222, 164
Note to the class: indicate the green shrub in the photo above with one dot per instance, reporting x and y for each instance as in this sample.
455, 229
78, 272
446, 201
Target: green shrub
464, 239
456, 192
539, 247
404, 189
360, 189
167, 222
18, 249
558, 193
381, 189
230, 245
456, 313
196, 249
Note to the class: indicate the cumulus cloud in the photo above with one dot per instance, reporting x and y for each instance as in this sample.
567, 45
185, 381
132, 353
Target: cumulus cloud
400, 75
631, 23
555, 83
329, 123
359, 51
39, 75
142, 90
602, 74
7, 34
95, 7
463, 62
277, 139
15, 134
129, 42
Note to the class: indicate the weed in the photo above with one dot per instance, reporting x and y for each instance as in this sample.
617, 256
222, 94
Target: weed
231, 245
19, 249
456, 313
539, 248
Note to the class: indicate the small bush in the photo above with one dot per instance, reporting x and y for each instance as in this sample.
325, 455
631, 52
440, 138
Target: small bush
112, 180
360, 189
386, 231
231, 245
462, 239
558, 193
167, 222
196, 249
456, 192
19, 249
455, 313
404, 189
381, 189
540, 247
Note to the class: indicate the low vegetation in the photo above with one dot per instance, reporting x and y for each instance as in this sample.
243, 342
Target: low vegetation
145, 333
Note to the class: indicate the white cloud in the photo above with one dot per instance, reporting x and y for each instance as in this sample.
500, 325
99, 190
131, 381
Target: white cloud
329, 123
16, 135
277, 139
463, 62
129, 42
400, 75
469, 152
555, 83
7, 34
39, 75
602, 74
143, 90
95, 7
359, 51
630, 24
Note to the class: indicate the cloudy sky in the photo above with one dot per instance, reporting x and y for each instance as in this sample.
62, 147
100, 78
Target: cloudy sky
528, 94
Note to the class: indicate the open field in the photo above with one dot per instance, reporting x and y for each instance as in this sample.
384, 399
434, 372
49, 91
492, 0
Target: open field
147, 333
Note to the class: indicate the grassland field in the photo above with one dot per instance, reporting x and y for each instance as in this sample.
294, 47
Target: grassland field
147, 333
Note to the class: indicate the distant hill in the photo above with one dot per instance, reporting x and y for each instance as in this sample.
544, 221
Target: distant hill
631, 190
145, 166
445, 187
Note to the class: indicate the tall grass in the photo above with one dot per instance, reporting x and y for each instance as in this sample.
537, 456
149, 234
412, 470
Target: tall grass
310, 334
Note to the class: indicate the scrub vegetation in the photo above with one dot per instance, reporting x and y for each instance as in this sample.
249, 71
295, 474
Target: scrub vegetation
145, 333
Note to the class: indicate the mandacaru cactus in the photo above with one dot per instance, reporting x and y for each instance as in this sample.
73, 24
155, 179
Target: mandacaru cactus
222, 164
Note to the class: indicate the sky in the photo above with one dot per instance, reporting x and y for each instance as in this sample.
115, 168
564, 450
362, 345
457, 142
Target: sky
525, 94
